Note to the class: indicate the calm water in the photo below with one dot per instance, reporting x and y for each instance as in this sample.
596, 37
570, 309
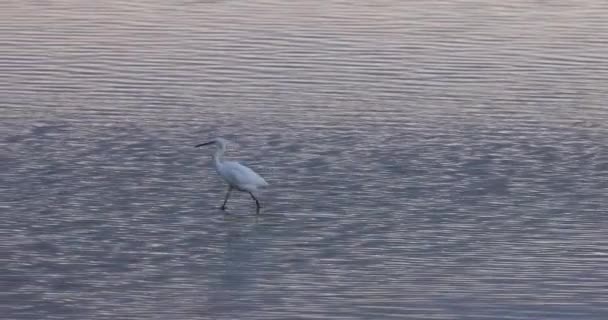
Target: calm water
426, 159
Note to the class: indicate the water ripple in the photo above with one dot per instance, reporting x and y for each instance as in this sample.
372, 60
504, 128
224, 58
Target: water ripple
440, 160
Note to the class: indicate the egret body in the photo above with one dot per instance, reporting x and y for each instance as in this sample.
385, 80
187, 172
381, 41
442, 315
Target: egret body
236, 175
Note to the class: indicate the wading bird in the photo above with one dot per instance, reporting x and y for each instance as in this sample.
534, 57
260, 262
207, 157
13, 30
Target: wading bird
237, 176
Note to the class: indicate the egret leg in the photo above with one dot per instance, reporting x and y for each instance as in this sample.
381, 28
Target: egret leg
257, 203
226, 198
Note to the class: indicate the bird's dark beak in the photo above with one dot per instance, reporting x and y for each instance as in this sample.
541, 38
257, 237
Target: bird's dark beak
204, 144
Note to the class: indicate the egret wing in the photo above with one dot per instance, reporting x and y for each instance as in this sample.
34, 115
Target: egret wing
241, 176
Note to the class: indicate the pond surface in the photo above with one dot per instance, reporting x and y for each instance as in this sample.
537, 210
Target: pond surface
426, 159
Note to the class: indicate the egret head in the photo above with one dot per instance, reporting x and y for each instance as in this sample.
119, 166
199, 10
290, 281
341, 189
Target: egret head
219, 142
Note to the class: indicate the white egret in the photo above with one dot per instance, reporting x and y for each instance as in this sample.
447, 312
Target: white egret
237, 176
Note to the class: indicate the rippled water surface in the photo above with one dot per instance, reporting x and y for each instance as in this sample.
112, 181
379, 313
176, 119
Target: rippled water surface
426, 159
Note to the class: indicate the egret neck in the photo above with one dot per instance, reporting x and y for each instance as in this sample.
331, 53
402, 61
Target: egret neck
218, 156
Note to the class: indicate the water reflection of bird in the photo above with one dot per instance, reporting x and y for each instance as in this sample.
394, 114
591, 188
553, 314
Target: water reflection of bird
237, 176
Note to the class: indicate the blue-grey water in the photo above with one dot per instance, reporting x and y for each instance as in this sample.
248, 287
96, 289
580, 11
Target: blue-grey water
426, 159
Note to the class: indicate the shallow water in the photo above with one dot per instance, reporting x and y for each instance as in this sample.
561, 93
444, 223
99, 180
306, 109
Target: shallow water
436, 160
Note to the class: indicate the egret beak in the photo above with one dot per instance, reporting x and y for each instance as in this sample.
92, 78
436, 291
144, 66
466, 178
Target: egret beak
204, 144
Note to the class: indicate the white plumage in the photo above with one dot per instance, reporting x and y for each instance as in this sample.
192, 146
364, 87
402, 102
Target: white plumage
237, 176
